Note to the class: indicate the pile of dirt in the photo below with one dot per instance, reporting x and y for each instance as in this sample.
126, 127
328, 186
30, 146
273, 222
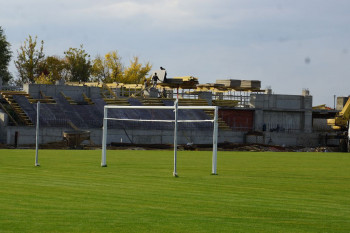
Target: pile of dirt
4, 146
319, 149
54, 145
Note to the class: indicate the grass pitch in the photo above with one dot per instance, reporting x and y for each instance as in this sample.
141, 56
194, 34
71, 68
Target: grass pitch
254, 192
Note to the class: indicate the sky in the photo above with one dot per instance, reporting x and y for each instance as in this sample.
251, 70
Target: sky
288, 45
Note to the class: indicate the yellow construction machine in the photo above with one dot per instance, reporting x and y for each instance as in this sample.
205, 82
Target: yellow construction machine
341, 122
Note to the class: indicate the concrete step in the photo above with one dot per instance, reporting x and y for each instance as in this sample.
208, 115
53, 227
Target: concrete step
225, 103
222, 124
121, 102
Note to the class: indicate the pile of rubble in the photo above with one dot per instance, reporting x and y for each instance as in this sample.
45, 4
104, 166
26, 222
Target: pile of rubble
274, 148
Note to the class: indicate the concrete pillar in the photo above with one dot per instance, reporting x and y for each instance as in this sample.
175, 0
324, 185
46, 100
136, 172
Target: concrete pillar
207, 95
341, 101
308, 114
308, 121
258, 119
153, 92
308, 102
305, 92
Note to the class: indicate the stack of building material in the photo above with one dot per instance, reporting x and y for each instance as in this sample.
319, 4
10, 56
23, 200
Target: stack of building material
225, 103
251, 84
210, 86
174, 81
233, 83
186, 82
240, 84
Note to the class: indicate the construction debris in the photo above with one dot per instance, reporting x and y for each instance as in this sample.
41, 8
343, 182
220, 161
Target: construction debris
240, 84
253, 84
203, 147
233, 83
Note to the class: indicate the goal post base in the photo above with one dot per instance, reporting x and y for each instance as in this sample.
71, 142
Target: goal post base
103, 165
37, 164
175, 175
214, 174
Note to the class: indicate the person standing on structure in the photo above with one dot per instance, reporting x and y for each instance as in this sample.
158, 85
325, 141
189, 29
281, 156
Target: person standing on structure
161, 68
155, 79
145, 84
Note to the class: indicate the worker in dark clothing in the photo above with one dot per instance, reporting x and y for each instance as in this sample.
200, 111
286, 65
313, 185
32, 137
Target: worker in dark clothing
155, 79
161, 68
164, 93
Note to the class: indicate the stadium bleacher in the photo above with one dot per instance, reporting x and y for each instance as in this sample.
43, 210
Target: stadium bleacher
84, 115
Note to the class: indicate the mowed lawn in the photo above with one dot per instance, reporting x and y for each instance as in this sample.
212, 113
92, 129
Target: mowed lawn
254, 192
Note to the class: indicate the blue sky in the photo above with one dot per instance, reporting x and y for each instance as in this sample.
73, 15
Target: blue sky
265, 40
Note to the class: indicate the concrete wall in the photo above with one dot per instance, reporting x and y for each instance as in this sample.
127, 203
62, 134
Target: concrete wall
75, 92
287, 139
27, 136
167, 137
281, 102
282, 121
291, 113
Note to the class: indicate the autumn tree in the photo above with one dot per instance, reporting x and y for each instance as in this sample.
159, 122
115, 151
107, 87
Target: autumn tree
110, 69
28, 60
99, 69
52, 69
113, 62
78, 64
136, 73
5, 57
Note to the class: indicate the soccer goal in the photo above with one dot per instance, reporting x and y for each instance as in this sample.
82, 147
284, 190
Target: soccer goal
37, 135
176, 109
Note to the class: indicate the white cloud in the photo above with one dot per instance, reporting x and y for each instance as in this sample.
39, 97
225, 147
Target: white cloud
164, 14
253, 39
171, 14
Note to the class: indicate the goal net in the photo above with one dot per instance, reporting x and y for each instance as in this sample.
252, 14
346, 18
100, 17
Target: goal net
174, 120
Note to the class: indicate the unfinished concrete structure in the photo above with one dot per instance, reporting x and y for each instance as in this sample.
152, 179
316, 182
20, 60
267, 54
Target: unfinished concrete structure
250, 117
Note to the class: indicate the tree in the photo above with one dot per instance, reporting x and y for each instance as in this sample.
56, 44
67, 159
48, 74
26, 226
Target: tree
113, 61
52, 69
110, 69
5, 57
78, 64
99, 69
136, 73
28, 60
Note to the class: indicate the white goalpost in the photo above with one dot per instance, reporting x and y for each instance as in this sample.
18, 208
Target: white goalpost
175, 108
37, 135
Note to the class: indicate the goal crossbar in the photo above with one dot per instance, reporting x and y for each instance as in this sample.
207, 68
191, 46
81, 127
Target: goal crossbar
175, 108
161, 107
150, 120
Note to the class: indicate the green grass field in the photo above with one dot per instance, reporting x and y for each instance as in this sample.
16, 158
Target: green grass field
254, 192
